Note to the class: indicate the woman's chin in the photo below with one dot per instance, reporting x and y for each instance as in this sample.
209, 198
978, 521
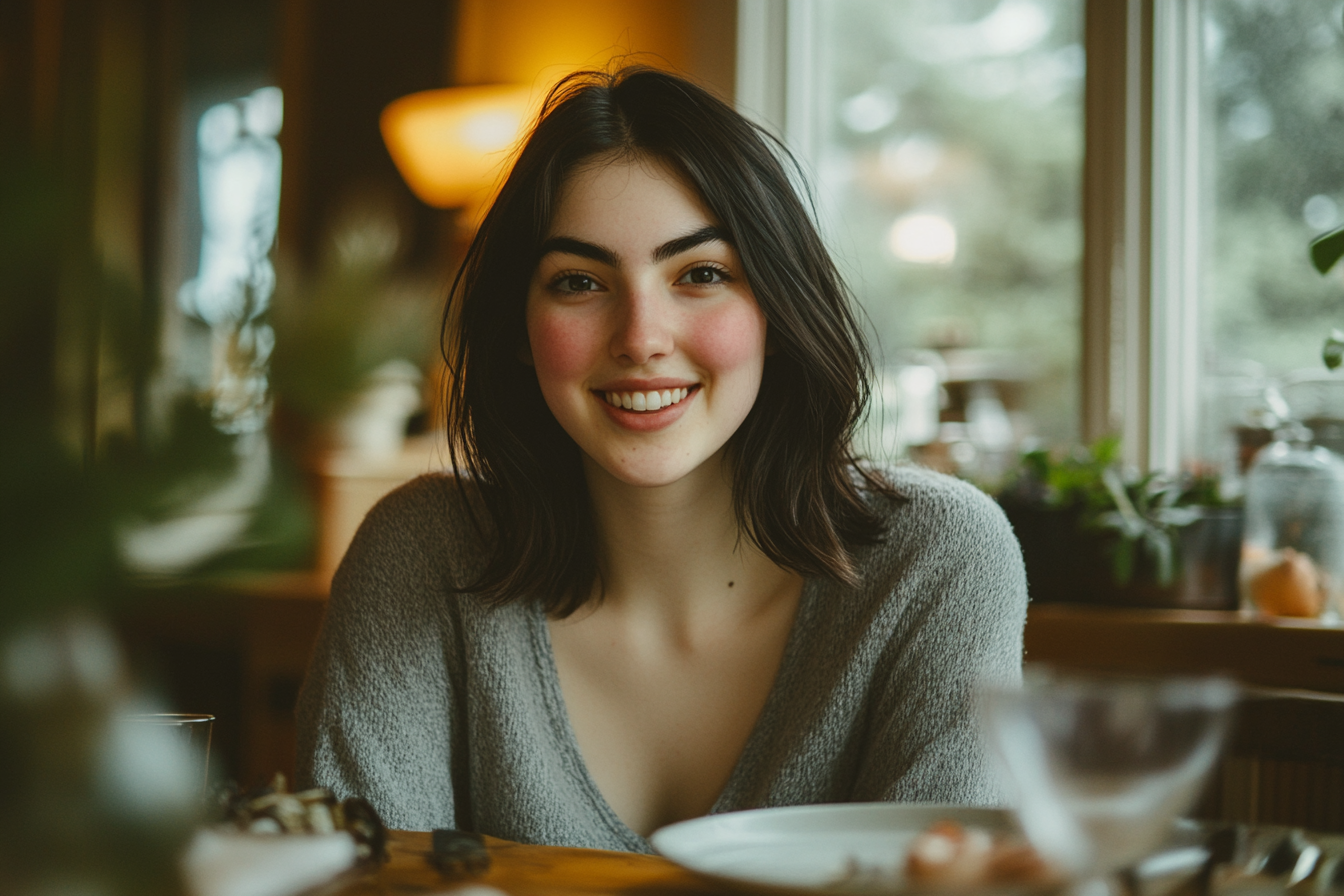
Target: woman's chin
647, 478
651, 472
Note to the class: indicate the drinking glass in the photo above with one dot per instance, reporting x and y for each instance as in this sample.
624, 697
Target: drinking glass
1101, 767
187, 734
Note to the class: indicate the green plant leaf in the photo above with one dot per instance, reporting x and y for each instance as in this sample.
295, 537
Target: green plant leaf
1159, 546
1332, 353
1106, 450
1327, 249
1122, 568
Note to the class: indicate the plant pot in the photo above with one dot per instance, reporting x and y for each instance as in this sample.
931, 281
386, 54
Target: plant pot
1065, 563
1068, 563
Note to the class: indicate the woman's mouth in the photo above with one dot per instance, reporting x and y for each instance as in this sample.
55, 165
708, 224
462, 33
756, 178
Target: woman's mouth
653, 400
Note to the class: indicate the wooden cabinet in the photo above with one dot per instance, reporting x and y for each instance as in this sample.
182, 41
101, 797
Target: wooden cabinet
238, 651
282, 626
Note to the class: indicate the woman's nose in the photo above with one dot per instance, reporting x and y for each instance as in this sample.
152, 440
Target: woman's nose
643, 328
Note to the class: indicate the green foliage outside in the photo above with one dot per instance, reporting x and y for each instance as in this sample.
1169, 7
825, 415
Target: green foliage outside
1002, 137
1276, 94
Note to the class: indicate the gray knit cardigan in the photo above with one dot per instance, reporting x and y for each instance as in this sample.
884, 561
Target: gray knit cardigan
446, 713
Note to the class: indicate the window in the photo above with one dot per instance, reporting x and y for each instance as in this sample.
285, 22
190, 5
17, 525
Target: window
945, 146
1272, 106
1210, 129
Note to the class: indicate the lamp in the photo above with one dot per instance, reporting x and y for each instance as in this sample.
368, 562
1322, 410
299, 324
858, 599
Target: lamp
449, 144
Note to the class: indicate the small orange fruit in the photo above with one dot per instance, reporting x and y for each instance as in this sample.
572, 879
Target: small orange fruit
1291, 587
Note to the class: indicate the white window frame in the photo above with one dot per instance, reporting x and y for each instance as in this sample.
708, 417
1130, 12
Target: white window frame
1141, 363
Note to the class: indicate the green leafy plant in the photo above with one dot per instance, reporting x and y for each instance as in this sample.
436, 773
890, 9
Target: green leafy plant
1146, 516
1143, 513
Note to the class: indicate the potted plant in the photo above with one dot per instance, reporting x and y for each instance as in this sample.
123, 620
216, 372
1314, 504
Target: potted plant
1094, 532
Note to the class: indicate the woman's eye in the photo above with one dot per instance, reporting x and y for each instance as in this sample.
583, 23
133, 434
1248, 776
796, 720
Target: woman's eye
575, 283
703, 275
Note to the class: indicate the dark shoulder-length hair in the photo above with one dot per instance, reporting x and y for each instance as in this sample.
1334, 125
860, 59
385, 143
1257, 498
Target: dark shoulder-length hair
798, 493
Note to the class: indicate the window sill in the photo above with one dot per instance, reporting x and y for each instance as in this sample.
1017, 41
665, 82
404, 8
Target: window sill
1274, 653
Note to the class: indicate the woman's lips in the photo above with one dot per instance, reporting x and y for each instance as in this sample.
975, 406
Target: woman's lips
644, 410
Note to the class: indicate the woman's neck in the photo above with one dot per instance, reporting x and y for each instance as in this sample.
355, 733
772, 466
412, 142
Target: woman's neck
677, 551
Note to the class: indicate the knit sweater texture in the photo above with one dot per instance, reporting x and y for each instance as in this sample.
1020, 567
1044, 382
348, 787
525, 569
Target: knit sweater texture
446, 713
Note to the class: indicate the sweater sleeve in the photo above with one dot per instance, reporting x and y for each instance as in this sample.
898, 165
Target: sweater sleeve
376, 714
960, 591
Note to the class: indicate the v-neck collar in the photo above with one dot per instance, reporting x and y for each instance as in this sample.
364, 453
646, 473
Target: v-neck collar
569, 742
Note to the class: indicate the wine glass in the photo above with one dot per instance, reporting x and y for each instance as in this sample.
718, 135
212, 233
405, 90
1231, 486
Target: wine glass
1101, 767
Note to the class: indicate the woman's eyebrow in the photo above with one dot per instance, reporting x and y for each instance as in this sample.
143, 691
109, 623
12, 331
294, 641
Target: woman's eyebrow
670, 249
681, 244
570, 246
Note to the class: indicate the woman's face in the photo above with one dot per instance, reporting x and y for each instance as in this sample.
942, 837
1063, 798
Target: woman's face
646, 339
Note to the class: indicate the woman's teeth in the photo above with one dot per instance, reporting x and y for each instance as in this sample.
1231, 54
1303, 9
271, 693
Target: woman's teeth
646, 401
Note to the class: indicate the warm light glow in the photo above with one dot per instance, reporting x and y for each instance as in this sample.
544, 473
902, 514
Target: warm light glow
451, 145
923, 239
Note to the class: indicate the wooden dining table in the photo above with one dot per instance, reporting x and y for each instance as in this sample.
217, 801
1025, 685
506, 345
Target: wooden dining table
519, 869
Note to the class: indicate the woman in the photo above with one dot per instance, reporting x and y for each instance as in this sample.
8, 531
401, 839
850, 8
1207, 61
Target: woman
659, 584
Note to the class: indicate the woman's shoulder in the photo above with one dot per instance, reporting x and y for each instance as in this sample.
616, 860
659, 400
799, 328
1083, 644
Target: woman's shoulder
936, 500
422, 529
431, 505
941, 529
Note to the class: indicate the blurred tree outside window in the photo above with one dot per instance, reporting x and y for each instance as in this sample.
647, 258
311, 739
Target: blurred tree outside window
1273, 106
948, 160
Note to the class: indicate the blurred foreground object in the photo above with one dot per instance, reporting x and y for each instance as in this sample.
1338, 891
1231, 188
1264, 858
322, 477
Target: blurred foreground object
273, 810
949, 854
248, 854
1326, 250
1101, 767
191, 731
233, 864
93, 803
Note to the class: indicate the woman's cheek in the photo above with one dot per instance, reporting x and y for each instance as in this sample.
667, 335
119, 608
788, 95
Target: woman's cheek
730, 337
561, 345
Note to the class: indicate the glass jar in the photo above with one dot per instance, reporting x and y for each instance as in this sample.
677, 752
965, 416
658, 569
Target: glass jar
1292, 555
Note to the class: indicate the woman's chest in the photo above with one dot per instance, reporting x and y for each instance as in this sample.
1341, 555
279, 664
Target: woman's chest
661, 729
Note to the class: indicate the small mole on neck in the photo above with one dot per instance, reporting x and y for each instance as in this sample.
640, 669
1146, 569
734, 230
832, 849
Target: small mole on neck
730, 584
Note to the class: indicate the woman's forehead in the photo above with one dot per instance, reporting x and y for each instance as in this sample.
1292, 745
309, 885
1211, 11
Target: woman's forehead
613, 183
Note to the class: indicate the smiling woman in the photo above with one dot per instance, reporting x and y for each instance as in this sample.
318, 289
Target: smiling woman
642, 295
659, 584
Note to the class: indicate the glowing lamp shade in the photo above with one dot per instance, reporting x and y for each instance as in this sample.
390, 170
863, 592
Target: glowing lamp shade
450, 145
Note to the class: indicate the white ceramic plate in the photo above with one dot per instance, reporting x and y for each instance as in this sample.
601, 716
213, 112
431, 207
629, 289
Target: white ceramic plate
849, 848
